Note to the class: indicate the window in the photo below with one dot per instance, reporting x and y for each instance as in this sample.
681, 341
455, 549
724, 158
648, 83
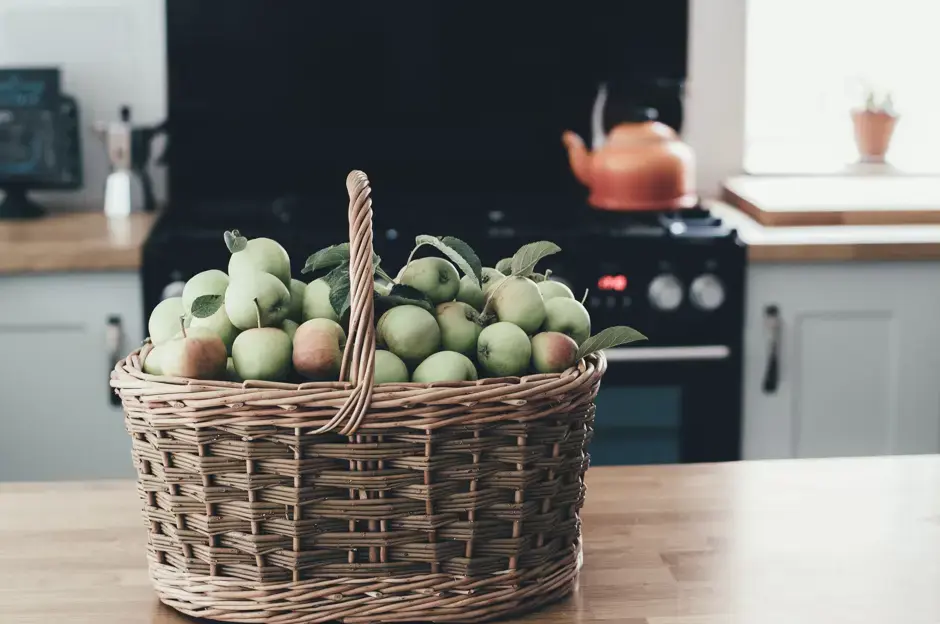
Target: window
808, 63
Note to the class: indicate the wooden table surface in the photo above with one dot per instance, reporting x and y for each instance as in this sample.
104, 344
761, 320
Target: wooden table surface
851, 541
75, 241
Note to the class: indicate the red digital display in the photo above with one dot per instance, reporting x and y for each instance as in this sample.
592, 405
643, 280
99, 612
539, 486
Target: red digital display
612, 282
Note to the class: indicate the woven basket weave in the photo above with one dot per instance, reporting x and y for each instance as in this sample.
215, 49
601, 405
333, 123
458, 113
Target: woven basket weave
284, 503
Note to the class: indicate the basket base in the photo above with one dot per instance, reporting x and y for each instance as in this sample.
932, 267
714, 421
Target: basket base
421, 598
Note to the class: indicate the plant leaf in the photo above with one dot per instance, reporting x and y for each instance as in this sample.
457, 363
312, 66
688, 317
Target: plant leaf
234, 241
327, 257
207, 305
608, 338
405, 295
457, 251
466, 252
334, 255
529, 255
338, 280
381, 273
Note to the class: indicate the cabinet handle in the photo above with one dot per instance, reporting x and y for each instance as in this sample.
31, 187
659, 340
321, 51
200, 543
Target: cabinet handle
772, 327
113, 340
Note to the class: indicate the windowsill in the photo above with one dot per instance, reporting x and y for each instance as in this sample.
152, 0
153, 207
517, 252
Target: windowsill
857, 199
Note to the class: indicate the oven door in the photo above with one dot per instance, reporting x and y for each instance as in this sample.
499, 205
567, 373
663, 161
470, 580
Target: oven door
662, 405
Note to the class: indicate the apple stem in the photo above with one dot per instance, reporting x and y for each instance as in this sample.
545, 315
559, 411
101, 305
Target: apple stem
183, 325
584, 298
410, 257
548, 273
258, 311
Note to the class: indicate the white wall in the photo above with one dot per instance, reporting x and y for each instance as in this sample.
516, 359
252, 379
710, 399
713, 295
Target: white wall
112, 52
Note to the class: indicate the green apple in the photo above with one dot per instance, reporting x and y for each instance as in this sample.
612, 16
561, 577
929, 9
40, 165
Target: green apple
194, 354
164, 321
261, 254
471, 293
262, 353
491, 279
296, 310
551, 289
568, 317
553, 352
220, 324
316, 302
318, 349
230, 373
435, 277
290, 327
504, 350
152, 364
389, 368
460, 326
409, 332
255, 294
519, 301
445, 366
211, 282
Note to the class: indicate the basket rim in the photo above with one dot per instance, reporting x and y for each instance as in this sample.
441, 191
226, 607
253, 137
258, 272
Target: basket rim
131, 366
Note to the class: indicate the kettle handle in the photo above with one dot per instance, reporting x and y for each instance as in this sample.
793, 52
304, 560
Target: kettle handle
598, 136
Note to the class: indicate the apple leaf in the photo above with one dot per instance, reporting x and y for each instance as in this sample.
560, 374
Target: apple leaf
608, 338
327, 257
529, 255
207, 305
334, 255
338, 279
234, 241
457, 251
401, 294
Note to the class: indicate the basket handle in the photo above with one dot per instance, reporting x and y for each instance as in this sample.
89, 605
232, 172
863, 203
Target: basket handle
359, 356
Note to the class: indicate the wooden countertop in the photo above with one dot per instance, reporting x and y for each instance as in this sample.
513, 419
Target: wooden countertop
831, 243
851, 541
79, 241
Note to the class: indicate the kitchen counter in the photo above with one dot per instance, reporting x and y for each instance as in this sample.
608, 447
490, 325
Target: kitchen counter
831, 243
80, 241
809, 541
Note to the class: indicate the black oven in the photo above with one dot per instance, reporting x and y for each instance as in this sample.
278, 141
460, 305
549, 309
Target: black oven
668, 404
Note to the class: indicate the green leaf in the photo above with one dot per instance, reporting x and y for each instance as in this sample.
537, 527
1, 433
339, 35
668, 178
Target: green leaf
334, 255
608, 338
327, 257
401, 294
457, 251
207, 305
338, 279
529, 255
234, 241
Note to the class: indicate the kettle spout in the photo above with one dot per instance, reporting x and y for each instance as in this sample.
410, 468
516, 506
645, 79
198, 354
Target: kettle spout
578, 156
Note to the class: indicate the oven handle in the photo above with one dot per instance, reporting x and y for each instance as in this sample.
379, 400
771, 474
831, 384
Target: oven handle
668, 354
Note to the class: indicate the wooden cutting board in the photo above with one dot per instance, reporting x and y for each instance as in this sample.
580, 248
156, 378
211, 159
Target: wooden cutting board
849, 200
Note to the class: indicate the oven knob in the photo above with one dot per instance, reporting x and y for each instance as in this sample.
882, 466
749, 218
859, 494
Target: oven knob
707, 293
665, 292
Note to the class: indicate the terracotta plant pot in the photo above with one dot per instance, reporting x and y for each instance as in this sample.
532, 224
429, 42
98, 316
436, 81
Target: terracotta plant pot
873, 131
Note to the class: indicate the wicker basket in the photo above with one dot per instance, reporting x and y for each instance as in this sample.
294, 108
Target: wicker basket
273, 502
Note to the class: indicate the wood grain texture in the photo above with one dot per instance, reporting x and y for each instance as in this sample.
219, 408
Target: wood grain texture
848, 200
829, 541
81, 241
831, 243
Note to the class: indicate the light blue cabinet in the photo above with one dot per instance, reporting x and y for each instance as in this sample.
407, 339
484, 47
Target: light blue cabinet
859, 360
57, 420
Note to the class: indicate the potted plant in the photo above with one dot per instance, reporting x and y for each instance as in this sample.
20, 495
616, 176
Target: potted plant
874, 125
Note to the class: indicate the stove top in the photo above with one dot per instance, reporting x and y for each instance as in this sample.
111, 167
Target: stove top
474, 218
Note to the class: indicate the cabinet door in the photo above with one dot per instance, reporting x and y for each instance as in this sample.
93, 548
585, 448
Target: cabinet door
859, 360
58, 418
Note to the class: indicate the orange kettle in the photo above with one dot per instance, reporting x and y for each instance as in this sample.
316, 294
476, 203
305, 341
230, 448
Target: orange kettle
638, 166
